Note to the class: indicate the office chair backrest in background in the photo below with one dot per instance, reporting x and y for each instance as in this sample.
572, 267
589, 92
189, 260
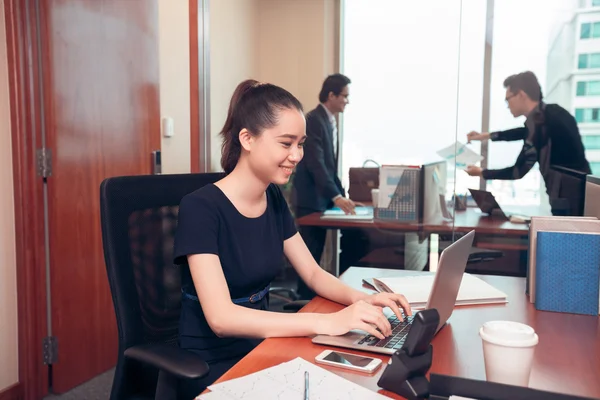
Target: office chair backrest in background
139, 218
592, 194
571, 193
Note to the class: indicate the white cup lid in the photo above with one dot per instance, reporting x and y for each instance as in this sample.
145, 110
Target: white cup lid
508, 333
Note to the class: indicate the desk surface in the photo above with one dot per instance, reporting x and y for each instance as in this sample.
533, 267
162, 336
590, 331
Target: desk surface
464, 221
567, 358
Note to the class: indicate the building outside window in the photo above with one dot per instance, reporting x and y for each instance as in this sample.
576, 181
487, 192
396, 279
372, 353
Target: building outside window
591, 142
588, 61
590, 30
588, 88
576, 89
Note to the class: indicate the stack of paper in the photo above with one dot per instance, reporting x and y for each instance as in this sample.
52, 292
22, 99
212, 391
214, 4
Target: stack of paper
286, 381
417, 288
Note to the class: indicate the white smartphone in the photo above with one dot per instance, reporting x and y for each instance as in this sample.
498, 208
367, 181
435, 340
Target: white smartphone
354, 362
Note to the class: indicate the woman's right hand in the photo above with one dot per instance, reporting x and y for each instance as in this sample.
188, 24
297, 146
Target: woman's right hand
360, 315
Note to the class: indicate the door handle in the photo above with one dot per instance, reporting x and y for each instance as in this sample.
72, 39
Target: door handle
156, 163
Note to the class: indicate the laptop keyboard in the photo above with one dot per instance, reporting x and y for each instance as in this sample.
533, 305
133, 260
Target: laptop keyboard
395, 341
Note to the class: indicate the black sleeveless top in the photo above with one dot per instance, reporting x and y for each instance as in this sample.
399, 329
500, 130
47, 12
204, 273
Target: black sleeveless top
250, 251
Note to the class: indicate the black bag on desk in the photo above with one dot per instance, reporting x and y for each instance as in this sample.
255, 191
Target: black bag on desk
362, 180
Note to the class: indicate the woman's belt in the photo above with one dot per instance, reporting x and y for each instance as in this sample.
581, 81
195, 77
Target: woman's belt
255, 298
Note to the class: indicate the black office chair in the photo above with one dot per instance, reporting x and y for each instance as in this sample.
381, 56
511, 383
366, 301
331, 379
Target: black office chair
138, 219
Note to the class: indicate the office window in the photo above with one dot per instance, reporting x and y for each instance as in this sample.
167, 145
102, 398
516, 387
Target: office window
591, 142
587, 114
595, 166
417, 95
590, 30
586, 31
588, 60
583, 61
407, 103
588, 88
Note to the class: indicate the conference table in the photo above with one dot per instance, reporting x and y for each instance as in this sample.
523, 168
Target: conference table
567, 358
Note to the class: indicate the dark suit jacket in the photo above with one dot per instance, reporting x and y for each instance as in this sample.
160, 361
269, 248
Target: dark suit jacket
316, 182
557, 127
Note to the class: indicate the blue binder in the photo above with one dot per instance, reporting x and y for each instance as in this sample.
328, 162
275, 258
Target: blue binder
568, 272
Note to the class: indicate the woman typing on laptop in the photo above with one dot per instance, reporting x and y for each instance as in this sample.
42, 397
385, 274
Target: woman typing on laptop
232, 236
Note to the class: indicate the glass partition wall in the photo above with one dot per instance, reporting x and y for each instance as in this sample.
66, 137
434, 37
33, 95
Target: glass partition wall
425, 74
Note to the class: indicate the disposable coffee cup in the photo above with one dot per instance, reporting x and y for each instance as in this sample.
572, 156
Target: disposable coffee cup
508, 349
375, 196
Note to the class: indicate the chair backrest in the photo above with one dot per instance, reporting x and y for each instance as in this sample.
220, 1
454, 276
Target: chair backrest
138, 219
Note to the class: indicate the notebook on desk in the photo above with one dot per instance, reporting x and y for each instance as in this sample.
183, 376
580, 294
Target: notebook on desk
417, 288
362, 212
444, 289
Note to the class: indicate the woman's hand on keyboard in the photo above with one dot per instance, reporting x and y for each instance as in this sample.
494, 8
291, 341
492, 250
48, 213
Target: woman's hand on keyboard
360, 315
393, 301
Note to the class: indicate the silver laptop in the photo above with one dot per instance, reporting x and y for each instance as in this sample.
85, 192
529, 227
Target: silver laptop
444, 292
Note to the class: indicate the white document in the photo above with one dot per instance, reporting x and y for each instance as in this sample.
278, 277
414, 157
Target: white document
464, 155
212, 396
286, 381
416, 289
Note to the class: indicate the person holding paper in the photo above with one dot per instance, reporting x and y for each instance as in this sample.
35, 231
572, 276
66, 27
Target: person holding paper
232, 237
316, 185
550, 136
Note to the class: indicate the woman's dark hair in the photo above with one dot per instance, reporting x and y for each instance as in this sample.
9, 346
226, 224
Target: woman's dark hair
253, 106
527, 82
333, 83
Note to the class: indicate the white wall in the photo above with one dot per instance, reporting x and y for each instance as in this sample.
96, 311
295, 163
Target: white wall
296, 46
288, 43
174, 64
233, 58
9, 362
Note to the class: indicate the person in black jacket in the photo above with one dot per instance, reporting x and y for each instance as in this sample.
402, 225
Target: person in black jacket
550, 136
316, 185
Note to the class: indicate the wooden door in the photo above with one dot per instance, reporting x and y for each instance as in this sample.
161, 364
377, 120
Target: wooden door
101, 109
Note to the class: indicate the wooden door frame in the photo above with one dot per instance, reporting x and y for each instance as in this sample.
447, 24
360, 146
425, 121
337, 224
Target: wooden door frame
199, 86
25, 108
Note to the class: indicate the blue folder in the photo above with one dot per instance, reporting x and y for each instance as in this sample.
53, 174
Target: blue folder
568, 272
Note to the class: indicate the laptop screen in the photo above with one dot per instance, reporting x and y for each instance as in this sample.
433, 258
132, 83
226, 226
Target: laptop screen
485, 200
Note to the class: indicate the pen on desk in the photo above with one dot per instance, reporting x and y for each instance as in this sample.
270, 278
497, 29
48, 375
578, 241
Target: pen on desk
305, 385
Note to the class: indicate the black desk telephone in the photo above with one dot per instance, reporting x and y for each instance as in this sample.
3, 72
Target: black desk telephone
406, 370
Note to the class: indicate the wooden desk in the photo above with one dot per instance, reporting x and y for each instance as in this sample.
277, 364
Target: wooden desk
492, 233
464, 221
567, 358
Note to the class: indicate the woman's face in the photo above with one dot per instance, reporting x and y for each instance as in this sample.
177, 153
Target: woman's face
274, 154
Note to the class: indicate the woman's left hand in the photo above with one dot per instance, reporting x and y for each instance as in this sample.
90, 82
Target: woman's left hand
391, 300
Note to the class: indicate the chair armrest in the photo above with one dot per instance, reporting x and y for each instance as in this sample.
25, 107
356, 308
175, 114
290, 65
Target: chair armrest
178, 362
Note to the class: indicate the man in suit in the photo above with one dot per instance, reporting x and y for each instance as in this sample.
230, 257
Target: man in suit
550, 137
317, 186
